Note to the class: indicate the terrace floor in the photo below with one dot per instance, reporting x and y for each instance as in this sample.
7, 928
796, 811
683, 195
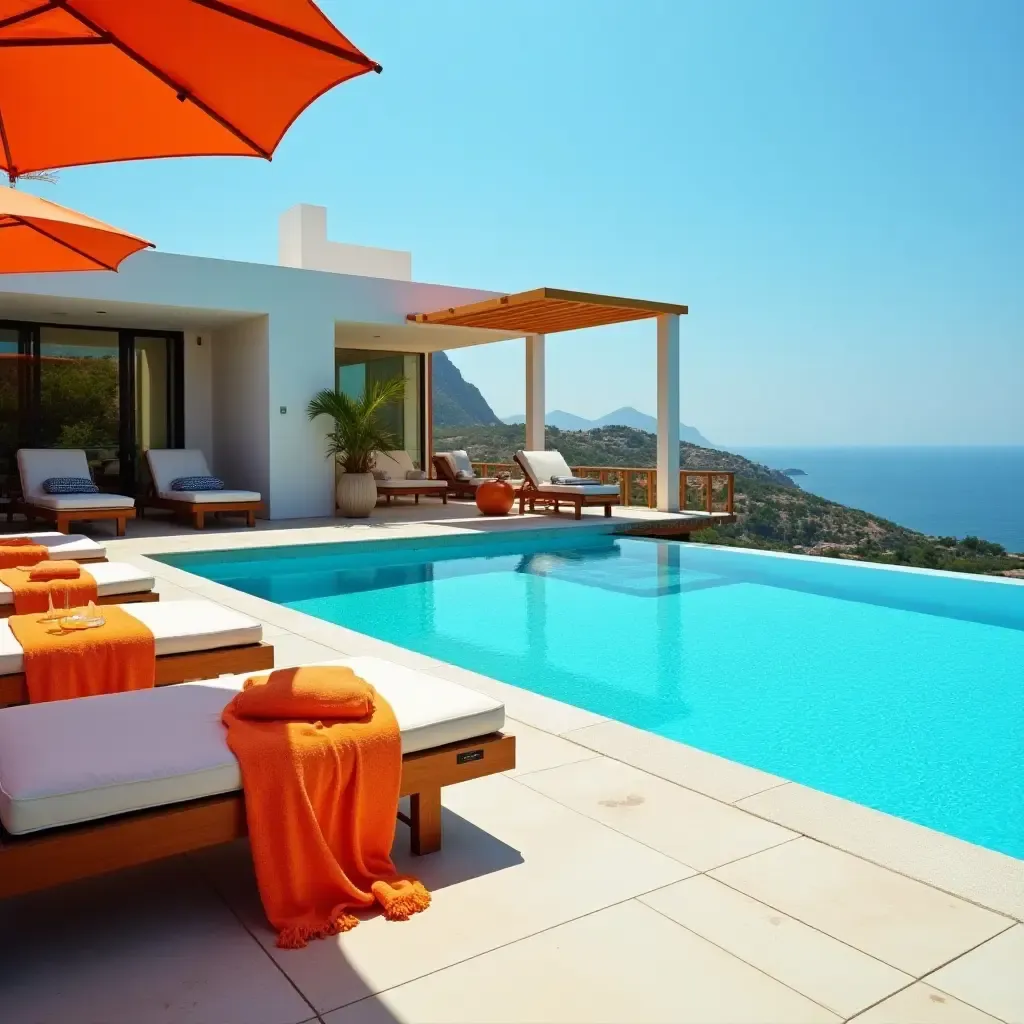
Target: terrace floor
613, 876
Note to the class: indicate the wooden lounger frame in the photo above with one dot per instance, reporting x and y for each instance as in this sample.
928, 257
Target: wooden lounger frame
196, 510
400, 490
530, 494
173, 668
63, 518
141, 597
41, 860
456, 488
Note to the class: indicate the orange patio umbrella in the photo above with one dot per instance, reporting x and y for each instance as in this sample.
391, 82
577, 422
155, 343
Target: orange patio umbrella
91, 81
37, 236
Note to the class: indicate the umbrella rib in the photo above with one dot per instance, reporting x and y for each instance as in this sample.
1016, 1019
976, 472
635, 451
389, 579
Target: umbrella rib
181, 91
290, 33
67, 245
12, 171
49, 5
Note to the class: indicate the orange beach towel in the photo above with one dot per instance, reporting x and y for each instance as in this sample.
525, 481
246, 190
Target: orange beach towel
21, 551
321, 761
32, 585
60, 663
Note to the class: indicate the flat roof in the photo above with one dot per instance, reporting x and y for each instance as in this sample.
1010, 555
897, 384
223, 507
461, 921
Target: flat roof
547, 311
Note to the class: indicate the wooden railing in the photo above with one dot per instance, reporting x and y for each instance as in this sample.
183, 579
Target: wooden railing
708, 490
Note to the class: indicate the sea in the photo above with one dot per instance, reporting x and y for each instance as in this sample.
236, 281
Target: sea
946, 492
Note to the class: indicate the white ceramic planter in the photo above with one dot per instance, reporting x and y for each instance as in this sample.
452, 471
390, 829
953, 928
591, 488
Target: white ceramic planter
356, 494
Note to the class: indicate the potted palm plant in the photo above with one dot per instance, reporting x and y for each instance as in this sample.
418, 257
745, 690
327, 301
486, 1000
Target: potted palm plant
359, 433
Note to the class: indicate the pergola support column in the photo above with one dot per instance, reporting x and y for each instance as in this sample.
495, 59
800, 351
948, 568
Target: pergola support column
668, 412
535, 393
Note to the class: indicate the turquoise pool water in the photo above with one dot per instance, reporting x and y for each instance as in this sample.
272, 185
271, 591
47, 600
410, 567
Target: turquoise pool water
900, 690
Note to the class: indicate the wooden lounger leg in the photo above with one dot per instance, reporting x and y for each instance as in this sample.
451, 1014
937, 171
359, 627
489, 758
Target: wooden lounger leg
607, 511
122, 525
425, 821
250, 517
579, 510
198, 519
63, 524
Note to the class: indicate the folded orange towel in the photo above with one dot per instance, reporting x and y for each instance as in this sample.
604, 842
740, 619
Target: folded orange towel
21, 551
31, 593
59, 664
321, 799
56, 570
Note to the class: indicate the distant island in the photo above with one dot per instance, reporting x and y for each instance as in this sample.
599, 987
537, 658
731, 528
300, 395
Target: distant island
772, 511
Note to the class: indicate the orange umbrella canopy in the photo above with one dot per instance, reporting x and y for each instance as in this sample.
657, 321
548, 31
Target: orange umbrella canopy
90, 81
37, 236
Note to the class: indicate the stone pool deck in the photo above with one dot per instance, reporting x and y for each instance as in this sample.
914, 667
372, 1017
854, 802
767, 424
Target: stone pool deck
613, 876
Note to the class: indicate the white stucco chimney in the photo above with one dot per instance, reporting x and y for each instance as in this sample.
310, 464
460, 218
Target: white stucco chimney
302, 242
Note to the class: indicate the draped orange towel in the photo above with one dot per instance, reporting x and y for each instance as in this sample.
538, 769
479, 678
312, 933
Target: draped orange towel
321, 761
59, 664
33, 584
21, 551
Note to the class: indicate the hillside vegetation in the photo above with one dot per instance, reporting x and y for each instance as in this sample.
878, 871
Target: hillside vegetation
772, 512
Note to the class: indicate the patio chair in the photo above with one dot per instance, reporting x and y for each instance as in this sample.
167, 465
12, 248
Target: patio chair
404, 478
39, 466
116, 583
170, 465
540, 468
457, 472
148, 774
194, 639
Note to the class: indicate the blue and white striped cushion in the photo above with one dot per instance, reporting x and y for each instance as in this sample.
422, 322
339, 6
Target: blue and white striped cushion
69, 485
197, 483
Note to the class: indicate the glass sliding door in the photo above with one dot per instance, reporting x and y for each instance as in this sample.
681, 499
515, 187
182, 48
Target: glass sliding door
356, 369
113, 393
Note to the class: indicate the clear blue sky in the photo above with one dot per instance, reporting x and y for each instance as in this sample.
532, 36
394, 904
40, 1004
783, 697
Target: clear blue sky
836, 189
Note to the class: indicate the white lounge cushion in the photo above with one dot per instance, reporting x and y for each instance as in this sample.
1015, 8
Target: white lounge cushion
168, 464
432, 485
542, 466
112, 578
198, 497
148, 748
36, 465
601, 489
396, 464
71, 502
179, 627
72, 546
460, 460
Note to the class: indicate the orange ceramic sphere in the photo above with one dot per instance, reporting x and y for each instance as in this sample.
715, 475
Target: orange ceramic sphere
495, 497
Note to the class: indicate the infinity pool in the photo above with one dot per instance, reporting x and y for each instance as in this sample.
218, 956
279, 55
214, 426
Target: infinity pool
901, 690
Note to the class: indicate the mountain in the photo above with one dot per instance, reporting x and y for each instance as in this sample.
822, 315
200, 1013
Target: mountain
456, 402
627, 416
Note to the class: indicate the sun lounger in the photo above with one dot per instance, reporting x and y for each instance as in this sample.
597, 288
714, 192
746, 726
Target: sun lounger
72, 547
194, 639
398, 466
540, 467
169, 464
450, 465
116, 583
148, 774
37, 465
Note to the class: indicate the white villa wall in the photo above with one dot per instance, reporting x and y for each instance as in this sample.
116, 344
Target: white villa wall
302, 242
241, 393
198, 359
301, 364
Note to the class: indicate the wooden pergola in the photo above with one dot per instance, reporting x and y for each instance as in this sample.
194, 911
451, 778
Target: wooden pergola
544, 311
547, 311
